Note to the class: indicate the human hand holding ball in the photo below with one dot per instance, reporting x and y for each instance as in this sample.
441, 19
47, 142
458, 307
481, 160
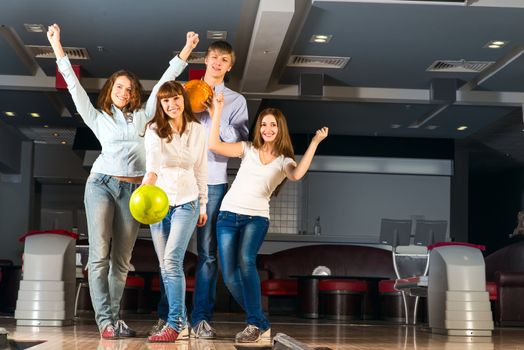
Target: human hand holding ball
148, 204
199, 94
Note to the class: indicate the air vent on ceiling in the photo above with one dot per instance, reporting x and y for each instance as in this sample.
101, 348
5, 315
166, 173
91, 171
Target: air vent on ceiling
317, 61
74, 53
461, 66
194, 57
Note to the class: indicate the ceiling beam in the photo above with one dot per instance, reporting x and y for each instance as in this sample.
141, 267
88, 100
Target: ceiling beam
271, 26
41, 82
20, 50
493, 69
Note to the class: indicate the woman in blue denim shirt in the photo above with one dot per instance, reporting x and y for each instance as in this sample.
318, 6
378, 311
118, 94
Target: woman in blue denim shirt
116, 173
243, 219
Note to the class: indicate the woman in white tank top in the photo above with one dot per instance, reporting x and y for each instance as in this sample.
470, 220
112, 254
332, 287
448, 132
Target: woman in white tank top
243, 219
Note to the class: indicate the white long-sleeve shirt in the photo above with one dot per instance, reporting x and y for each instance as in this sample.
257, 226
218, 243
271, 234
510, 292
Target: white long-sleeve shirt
180, 165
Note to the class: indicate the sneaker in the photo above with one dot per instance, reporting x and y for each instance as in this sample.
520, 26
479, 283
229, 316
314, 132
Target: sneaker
203, 330
109, 332
252, 334
166, 335
124, 330
184, 333
157, 327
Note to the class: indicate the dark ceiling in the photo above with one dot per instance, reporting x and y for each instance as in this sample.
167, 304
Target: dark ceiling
385, 89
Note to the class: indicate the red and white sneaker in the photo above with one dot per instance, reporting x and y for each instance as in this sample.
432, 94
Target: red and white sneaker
166, 335
110, 332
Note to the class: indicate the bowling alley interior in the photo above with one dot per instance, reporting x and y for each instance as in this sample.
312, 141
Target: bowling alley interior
405, 232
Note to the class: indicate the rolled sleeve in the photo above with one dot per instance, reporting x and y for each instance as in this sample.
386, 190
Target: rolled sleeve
236, 128
153, 146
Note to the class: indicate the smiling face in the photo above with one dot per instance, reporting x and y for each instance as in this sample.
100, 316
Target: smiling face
269, 128
121, 92
173, 106
218, 63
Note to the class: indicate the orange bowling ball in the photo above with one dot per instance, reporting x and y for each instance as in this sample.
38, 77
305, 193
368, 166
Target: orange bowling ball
198, 92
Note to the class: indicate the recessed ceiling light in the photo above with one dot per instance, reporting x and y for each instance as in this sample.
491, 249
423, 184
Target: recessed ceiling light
496, 44
55, 134
462, 128
320, 38
9, 114
46, 126
63, 142
34, 27
34, 115
217, 34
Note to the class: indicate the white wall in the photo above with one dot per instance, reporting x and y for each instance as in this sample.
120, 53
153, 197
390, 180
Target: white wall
353, 204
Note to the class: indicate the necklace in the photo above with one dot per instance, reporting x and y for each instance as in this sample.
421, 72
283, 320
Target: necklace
265, 157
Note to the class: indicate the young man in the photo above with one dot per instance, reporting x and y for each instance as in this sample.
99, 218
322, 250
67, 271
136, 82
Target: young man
219, 60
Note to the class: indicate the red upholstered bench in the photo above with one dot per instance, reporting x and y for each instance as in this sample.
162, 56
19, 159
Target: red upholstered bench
279, 287
190, 284
342, 299
283, 294
133, 294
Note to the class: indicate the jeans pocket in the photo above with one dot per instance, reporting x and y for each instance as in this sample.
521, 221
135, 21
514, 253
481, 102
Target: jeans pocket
96, 178
221, 215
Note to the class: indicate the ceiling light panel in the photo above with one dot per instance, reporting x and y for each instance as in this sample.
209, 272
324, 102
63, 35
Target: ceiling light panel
217, 35
34, 27
320, 39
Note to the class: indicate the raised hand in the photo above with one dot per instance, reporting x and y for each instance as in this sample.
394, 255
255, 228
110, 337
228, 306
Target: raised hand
218, 104
192, 40
53, 35
321, 134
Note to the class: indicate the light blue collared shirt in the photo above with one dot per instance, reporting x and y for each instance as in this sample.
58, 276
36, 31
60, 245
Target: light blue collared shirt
123, 152
233, 128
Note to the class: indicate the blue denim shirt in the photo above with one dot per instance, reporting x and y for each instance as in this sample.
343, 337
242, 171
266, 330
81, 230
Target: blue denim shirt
123, 152
233, 128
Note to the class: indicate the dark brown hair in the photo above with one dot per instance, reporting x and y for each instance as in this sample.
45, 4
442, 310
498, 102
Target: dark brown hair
161, 119
135, 101
222, 47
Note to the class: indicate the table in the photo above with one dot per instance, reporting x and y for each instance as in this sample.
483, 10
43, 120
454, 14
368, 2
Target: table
307, 291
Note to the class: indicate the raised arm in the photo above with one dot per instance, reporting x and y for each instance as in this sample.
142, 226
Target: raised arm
295, 173
82, 102
215, 144
176, 67
53, 35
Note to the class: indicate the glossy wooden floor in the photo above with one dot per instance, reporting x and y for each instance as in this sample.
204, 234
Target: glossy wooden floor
316, 334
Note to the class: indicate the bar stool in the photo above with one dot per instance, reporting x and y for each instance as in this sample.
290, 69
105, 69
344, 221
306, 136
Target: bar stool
133, 293
342, 299
391, 304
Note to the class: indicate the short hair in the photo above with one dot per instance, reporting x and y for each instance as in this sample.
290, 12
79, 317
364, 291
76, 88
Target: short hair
222, 46
104, 97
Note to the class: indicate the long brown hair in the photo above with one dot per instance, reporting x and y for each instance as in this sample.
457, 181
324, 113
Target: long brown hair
104, 97
161, 119
283, 145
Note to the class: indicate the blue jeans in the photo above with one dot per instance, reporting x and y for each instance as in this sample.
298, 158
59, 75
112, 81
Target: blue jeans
207, 268
170, 238
112, 233
239, 239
